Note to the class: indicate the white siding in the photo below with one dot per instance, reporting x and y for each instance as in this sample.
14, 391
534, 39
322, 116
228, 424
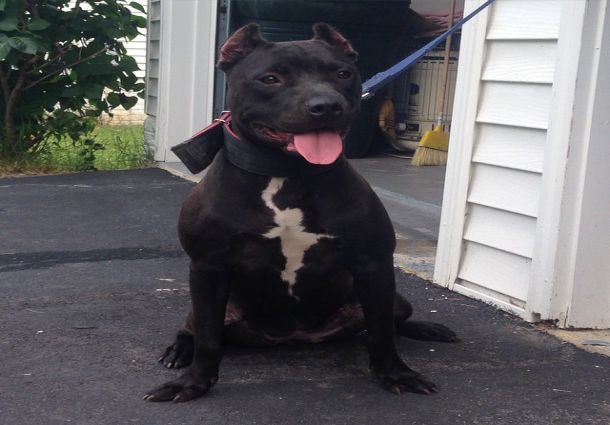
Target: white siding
496, 270
515, 104
524, 20
509, 121
515, 237
504, 146
505, 188
524, 224
523, 61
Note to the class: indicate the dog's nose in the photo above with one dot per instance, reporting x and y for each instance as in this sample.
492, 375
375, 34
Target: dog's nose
322, 107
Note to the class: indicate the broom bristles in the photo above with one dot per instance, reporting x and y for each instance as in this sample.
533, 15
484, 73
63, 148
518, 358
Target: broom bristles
429, 156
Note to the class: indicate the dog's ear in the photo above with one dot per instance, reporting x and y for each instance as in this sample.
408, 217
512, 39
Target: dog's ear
328, 34
239, 45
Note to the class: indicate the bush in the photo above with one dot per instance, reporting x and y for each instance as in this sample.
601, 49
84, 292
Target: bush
62, 64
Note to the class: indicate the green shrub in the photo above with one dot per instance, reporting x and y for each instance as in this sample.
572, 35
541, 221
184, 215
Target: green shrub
62, 64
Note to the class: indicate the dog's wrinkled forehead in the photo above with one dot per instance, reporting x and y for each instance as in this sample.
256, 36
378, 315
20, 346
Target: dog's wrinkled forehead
326, 46
295, 57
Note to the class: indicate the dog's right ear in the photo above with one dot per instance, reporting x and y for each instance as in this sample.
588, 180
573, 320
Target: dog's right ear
239, 45
328, 34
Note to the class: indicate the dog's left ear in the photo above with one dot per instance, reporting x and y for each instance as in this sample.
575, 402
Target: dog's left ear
328, 34
239, 45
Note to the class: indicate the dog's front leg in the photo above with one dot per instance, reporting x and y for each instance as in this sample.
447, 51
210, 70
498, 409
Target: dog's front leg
375, 287
209, 294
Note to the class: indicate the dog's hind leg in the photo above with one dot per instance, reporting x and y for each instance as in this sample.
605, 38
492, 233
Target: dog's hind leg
425, 331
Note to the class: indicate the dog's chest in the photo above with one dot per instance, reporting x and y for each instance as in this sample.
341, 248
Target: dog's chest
294, 227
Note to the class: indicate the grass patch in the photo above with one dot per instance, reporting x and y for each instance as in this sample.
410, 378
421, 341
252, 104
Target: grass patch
107, 148
26, 167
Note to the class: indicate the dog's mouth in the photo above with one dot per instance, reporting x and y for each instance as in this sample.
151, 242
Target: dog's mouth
319, 146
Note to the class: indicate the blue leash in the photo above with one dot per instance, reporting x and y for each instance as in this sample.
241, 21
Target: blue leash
371, 86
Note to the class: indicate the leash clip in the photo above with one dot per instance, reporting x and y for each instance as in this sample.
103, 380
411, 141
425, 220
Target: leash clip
224, 115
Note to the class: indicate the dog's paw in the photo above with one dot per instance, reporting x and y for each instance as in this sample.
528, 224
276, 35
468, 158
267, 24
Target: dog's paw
179, 354
426, 331
189, 386
396, 377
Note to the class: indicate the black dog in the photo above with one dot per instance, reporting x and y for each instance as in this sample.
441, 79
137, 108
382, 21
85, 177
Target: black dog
287, 242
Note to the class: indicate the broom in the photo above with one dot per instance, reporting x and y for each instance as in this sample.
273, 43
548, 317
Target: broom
433, 146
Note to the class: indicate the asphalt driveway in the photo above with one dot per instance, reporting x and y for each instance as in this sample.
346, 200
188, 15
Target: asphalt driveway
93, 285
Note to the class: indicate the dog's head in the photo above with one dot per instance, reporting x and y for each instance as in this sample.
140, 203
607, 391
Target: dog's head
298, 96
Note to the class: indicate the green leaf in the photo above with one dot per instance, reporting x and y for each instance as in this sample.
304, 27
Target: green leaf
139, 21
137, 6
71, 91
128, 80
87, 69
38, 24
24, 44
2, 5
9, 24
113, 99
128, 64
5, 47
94, 91
114, 33
129, 102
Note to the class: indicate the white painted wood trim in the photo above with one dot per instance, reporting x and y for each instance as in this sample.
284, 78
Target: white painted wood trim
188, 31
212, 61
202, 66
580, 294
590, 301
547, 298
461, 144
164, 86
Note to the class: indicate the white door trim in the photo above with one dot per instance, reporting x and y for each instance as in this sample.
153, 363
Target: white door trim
461, 144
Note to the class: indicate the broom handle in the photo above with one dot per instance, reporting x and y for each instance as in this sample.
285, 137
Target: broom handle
440, 106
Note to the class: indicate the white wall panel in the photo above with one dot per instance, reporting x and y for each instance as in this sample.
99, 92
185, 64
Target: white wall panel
510, 232
505, 189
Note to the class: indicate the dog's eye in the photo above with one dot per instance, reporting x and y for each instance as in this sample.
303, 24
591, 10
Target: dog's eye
269, 79
343, 74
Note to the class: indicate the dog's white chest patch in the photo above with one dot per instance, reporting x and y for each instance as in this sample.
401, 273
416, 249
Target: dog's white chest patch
295, 240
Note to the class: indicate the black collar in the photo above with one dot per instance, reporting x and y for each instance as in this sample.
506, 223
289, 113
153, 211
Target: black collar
199, 151
267, 161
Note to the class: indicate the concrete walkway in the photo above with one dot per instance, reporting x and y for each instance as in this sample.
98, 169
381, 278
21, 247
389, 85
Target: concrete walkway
93, 285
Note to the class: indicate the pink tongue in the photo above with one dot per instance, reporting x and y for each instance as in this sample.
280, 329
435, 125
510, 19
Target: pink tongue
319, 147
